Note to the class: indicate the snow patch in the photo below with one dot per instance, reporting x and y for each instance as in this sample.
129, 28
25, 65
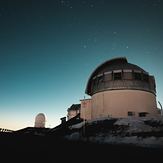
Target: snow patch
77, 126
135, 125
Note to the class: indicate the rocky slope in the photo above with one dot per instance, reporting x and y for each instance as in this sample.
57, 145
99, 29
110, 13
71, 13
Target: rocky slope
134, 131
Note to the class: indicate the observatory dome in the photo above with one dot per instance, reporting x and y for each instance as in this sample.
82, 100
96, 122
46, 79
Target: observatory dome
40, 120
118, 74
119, 89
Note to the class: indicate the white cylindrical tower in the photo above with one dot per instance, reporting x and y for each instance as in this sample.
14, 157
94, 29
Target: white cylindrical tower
40, 121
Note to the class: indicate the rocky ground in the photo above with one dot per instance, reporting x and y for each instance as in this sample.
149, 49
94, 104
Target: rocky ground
52, 149
109, 140
146, 132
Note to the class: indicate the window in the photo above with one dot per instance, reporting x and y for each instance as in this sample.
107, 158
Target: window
100, 79
143, 114
95, 83
130, 113
127, 74
118, 76
137, 76
145, 77
108, 76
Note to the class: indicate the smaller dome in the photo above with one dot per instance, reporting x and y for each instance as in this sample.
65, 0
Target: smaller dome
40, 120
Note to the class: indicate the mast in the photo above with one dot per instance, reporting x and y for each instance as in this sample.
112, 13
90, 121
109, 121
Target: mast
161, 108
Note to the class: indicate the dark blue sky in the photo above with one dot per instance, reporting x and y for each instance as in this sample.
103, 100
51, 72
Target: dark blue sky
48, 49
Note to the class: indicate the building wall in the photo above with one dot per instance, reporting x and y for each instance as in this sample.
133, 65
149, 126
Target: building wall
117, 103
72, 113
86, 108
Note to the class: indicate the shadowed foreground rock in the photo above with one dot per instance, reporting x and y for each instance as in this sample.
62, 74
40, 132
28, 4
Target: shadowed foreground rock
75, 142
50, 148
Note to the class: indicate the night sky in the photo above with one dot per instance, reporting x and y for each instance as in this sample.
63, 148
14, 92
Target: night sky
48, 49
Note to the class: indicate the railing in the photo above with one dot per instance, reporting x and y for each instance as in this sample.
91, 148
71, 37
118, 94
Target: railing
5, 130
123, 84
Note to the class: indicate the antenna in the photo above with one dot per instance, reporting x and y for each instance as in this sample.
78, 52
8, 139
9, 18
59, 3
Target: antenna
161, 107
84, 118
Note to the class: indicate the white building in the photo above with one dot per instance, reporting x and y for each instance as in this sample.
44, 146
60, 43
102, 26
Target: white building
119, 89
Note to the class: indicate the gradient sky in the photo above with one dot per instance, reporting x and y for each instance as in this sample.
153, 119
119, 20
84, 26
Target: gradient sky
48, 49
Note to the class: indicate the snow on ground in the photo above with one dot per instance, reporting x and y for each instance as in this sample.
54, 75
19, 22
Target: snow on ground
130, 140
134, 125
138, 124
78, 125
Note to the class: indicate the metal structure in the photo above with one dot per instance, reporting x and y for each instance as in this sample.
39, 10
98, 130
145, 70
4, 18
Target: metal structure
161, 108
5, 130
